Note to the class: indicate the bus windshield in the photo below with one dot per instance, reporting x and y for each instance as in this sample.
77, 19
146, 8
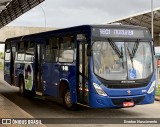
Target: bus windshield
122, 60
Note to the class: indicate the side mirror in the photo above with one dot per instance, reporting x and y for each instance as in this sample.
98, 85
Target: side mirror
88, 50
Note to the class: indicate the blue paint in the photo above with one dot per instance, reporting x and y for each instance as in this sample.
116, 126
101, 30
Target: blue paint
53, 74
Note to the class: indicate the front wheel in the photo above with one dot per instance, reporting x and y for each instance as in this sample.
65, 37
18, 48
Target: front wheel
67, 101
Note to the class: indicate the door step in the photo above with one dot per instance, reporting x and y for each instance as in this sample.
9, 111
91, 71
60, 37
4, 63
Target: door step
39, 93
83, 105
40, 97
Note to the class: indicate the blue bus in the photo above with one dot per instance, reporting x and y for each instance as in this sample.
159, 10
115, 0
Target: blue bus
98, 66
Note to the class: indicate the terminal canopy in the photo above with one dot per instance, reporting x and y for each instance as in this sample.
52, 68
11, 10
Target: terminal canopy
12, 9
143, 19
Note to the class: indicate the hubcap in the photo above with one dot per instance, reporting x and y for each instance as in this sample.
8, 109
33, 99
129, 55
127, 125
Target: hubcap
68, 99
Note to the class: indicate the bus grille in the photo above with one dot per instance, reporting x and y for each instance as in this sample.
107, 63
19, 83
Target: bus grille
125, 86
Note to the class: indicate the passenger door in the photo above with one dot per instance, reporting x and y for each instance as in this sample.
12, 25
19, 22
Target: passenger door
83, 62
38, 68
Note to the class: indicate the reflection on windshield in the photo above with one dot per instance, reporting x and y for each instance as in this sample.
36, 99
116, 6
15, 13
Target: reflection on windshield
122, 60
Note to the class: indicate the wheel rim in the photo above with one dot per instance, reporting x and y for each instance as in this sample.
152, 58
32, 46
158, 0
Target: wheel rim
68, 99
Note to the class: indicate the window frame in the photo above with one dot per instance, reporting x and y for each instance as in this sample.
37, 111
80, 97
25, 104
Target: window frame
28, 46
61, 41
46, 59
20, 51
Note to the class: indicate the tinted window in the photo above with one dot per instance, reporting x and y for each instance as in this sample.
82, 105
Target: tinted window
7, 52
20, 56
66, 52
52, 50
7, 55
30, 51
21, 46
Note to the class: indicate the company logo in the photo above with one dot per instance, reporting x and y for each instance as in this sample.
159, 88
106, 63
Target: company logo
144, 91
128, 92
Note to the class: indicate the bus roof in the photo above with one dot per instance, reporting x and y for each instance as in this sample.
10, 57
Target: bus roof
70, 30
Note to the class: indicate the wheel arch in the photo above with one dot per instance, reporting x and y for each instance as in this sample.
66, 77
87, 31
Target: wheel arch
63, 85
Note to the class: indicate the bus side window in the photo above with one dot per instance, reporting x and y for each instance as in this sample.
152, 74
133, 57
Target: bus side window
21, 51
29, 56
52, 50
66, 53
7, 52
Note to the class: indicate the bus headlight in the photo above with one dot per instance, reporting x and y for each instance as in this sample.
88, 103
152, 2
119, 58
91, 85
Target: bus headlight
152, 87
99, 90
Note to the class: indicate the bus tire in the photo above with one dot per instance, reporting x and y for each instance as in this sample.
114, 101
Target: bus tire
68, 102
22, 90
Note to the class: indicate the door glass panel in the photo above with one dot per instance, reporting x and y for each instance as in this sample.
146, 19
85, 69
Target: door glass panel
66, 52
83, 74
38, 68
80, 72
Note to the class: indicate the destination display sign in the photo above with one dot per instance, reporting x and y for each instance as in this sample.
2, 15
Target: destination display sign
120, 32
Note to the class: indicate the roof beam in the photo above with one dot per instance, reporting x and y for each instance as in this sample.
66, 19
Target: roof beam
157, 13
141, 19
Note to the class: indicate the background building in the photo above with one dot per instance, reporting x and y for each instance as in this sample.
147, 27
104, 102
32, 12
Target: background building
13, 31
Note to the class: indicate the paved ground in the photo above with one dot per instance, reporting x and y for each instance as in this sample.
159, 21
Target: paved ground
40, 108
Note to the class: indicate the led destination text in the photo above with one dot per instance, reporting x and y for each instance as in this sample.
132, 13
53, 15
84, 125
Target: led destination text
116, 32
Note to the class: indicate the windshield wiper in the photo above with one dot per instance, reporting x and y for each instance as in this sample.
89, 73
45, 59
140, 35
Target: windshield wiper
131, 57
122, 56
115, 48
135, 47
134, 50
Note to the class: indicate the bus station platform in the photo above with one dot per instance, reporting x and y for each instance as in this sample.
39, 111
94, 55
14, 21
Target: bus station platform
10, 110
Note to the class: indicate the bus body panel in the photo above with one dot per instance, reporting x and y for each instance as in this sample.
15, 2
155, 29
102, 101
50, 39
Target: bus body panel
26, 70
124, 92
50, 77
29, 78
54, 73
98, 101
116, 97
19, 70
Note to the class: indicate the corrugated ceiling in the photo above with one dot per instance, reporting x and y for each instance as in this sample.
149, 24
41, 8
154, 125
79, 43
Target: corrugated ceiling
142, 19
12, 9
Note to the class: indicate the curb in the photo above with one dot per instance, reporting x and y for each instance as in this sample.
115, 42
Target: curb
157, 98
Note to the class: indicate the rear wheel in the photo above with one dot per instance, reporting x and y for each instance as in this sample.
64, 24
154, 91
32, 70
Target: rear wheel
67, 101
22, 90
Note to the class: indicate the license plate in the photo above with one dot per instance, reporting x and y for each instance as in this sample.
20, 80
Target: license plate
128, 104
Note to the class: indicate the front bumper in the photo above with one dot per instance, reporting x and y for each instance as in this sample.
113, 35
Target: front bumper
97, 101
